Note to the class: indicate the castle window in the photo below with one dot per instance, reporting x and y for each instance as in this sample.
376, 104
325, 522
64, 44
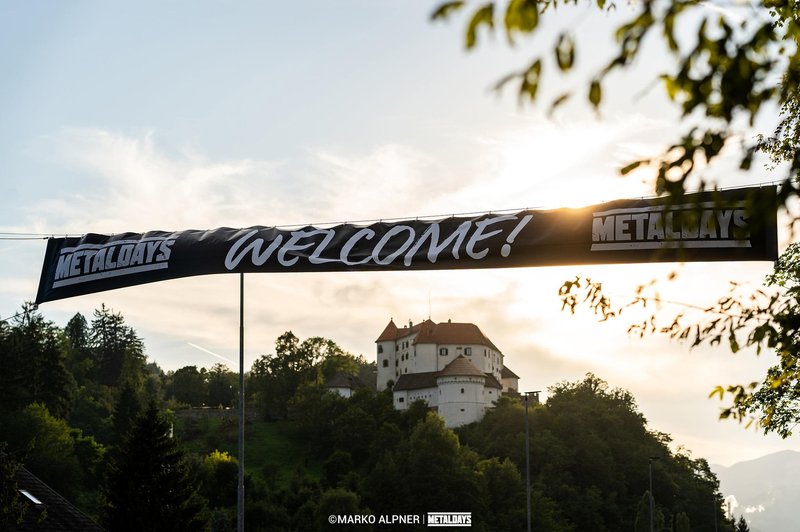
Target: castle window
443, 351
401, 400
385, 363
462, 390
468, 351
380, 349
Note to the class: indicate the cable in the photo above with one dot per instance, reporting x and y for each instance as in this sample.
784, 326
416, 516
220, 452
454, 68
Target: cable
33, 236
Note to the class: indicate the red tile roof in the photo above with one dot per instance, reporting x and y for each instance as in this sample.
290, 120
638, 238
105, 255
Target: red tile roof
341, 379
460, 367
415, 381
491, 382
392, 332
452, 333
506, 373
389, 333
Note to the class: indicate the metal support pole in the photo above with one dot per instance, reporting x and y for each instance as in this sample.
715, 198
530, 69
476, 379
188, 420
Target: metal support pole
650, 472
527, 463
240, 490
528, 454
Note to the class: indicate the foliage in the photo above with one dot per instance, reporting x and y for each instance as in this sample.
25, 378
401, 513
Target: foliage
126, 410
46, 445
725, 69
759, 320
117, 350
188, 385
741, 525
223, 386
34, 357
590, 448
12, 509
275, 379
728, 72
339, 501
150, 485
220, 477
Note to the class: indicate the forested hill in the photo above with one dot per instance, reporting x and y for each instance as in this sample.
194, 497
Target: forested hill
83, 409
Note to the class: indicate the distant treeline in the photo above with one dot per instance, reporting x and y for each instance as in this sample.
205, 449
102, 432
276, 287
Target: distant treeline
83, 409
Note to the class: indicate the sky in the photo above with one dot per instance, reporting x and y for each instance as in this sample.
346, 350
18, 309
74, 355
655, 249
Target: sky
195, 115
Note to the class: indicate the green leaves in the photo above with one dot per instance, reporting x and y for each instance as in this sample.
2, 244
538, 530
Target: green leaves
446, 9
595, 93
522, 16
565, 52
483, 16
627, 169
530, 80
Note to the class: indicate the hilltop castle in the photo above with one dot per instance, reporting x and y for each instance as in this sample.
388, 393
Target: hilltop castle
453, 367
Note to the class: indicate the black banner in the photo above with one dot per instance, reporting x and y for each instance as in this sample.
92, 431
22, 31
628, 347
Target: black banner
731, 225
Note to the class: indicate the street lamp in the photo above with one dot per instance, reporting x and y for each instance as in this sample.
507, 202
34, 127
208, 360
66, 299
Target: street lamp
650, 471
526, 395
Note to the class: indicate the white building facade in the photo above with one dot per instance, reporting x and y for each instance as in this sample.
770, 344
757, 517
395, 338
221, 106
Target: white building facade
453, 367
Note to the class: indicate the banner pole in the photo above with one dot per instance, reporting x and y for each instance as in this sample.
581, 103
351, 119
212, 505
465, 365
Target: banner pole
240, 490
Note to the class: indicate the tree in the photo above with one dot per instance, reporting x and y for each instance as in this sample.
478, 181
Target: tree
47, 445
724, 77
428, 470
79, 359
339, 501
726, 74
223, 386
150, 486
12, 509
34, 354
590, 448
741, 525
502, 493
189, 386
220, 474
126, 410
117, 350
275, 379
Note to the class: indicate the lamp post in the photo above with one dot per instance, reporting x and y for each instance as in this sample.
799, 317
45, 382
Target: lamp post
650, 472
526, 395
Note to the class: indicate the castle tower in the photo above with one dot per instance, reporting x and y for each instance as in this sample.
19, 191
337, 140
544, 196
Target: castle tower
461, 392
387, 356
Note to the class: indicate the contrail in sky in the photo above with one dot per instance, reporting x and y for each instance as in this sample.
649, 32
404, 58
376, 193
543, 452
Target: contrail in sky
203, 349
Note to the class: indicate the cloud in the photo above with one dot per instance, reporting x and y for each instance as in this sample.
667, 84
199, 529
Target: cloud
128, 183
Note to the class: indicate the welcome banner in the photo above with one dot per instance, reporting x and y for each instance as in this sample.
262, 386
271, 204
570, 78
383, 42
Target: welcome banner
736, 225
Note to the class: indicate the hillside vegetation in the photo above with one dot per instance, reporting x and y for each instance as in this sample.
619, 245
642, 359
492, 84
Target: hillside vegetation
87, 413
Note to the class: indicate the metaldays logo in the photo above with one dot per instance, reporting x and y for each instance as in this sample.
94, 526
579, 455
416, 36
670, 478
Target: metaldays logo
703, 225
432, 519
89, 262
449, 519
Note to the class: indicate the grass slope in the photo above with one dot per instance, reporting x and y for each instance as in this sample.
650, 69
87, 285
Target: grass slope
272, 449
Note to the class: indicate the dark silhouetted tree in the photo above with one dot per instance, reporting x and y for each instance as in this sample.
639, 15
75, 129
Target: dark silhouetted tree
117, 350
12, 509
150, 485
